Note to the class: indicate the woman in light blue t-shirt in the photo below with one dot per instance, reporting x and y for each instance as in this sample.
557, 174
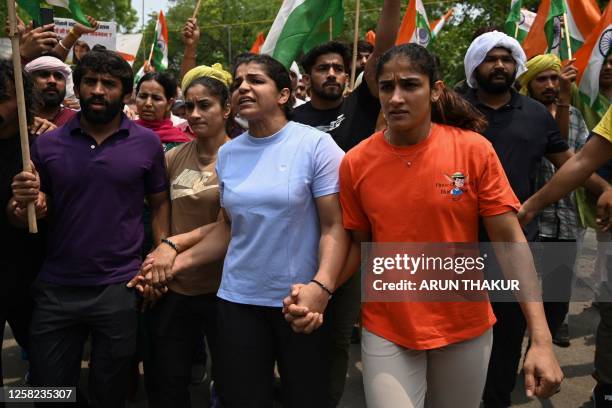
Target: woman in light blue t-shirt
282, 230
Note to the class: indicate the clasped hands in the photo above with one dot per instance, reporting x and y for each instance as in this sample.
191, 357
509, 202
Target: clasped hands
155, 273
304, 307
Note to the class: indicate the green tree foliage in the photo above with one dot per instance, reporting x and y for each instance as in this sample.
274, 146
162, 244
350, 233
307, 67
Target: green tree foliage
229, 27
119, 11
241, 20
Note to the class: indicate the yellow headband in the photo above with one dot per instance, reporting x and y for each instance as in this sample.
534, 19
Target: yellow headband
537, 65
216, 72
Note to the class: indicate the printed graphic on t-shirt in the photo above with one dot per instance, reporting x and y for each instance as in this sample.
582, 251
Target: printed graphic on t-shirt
191, 182
457, 187
333, 125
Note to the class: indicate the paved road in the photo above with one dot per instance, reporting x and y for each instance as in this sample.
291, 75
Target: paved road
576, 361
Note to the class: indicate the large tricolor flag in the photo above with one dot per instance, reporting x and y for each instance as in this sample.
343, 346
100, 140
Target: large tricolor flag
546, 36
301, 25
437, 25
160, 44
591, 56
415, 27
256, 47
32, 7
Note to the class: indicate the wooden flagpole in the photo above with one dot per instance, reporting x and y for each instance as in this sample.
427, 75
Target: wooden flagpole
331, 29
516, 30
567, 36
21, 106
197, 9
355, 39
153, 42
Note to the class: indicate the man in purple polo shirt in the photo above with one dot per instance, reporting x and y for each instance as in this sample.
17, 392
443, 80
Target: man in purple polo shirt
96, 172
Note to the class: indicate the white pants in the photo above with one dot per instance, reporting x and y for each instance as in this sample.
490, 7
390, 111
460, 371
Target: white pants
448, 377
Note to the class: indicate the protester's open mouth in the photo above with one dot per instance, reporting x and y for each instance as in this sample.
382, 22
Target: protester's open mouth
245, 100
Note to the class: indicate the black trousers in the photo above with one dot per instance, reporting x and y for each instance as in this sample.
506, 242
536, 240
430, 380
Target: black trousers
558, 268
342, 313
16, 310
556, 265
62, 320
251, 339
177, 323
508, 335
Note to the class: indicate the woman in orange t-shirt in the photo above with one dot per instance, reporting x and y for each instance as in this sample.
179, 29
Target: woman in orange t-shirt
430, 177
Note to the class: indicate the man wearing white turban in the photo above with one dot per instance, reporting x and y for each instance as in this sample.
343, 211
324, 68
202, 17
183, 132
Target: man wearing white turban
49, 75
522, 132
479, 49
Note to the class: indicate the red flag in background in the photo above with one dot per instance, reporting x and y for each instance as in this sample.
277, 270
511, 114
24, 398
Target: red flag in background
370, 37
256, 47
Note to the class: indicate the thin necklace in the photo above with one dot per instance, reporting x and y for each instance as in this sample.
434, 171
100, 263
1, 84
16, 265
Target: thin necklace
387, 137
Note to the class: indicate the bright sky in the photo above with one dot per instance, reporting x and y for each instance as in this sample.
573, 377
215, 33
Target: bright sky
149, 6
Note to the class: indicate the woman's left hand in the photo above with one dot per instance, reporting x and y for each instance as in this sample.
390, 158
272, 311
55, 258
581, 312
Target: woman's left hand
543, 376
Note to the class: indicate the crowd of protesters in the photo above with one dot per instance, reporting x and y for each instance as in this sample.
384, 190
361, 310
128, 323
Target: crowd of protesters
225, 211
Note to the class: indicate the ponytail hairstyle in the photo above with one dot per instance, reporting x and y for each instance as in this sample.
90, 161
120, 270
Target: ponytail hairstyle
450, 108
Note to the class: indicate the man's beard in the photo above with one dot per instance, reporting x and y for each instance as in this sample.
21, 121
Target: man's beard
53, 100
113, 108
327, 94
546, 98
494, 88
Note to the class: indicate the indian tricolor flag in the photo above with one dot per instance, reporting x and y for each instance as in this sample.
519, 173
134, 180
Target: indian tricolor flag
160, 44
437, 25
511, 26
590, 58
546, 34
415, 27
301, 25
32, 7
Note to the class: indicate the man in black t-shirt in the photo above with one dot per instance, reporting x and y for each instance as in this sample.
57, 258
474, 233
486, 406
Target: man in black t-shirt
21, 253
349, 120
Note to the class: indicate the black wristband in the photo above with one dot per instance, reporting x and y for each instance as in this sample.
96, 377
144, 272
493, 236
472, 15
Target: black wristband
322, 286
170, 244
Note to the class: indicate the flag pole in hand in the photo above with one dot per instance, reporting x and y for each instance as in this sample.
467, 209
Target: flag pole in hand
197, 9
355, 39
21, 106
567, 36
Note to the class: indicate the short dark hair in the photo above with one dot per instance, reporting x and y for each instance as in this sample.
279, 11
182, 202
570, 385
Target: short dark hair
7, 88
214, 86
105, 62
166, 80
331, 47
273, 69
364, 46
